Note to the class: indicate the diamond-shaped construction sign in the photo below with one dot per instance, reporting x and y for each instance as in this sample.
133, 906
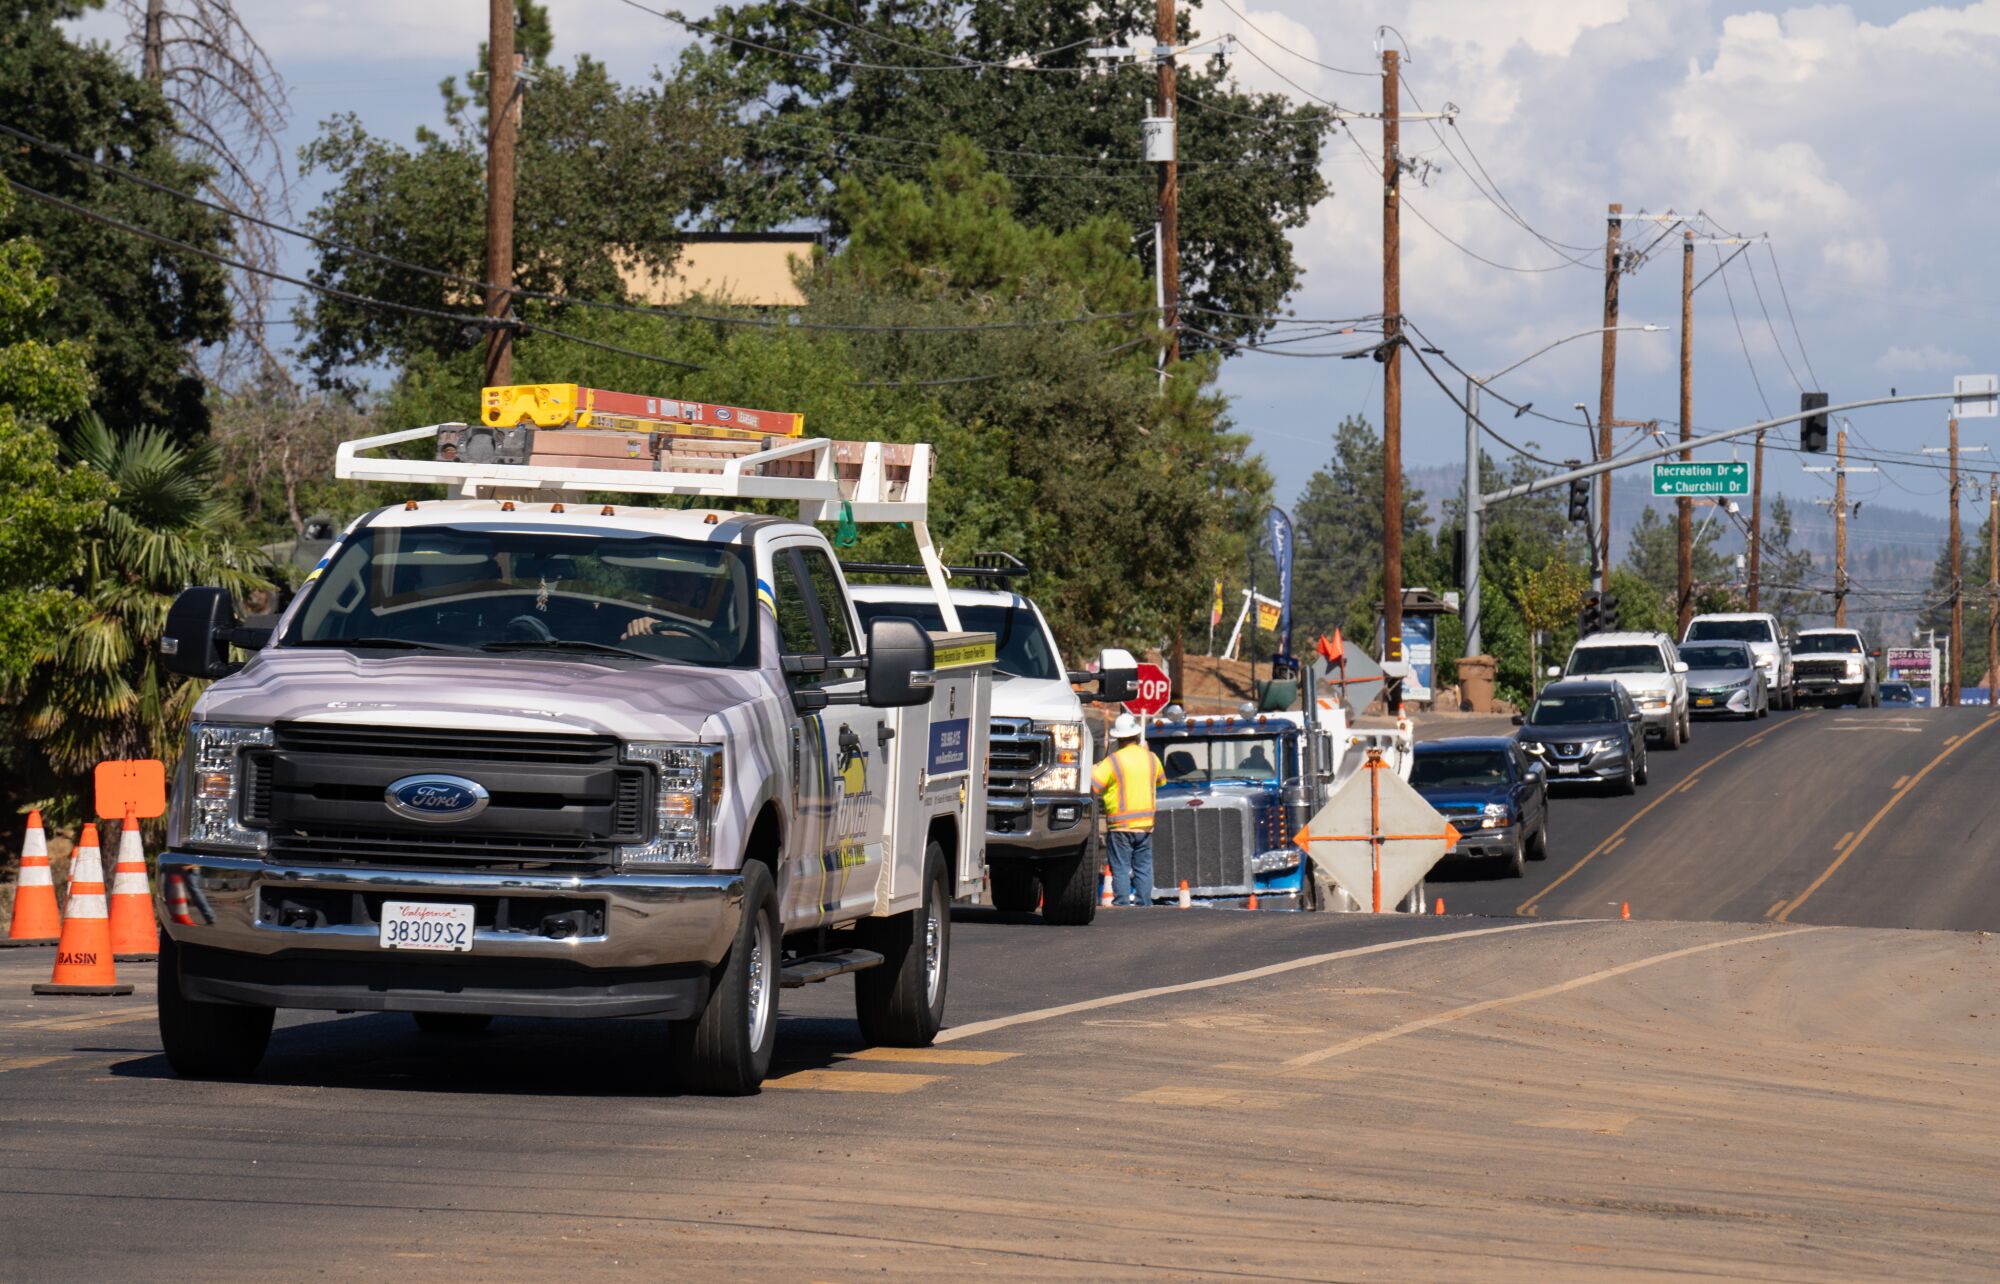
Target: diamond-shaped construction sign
1342, 837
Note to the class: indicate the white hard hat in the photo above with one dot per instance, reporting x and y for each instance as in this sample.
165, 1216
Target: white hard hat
1125, 728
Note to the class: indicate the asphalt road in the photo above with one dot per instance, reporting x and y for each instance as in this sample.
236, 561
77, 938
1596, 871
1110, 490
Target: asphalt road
1862, 817
1221, 1095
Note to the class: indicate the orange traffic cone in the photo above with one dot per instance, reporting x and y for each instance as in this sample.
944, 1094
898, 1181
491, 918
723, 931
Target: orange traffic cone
1253, 901
86, 846
1624, 909
83, 959
1186, 900
1107, 898
37, 921
135, 933
1440, 908
178, 908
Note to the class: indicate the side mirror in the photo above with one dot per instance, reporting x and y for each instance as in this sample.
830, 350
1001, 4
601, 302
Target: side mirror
900, 659
1553, 671
201, 627
1635, 717
1117, 676
1520, 721
1680, 666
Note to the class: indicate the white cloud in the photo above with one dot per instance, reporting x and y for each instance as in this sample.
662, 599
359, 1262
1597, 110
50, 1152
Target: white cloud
1925, 357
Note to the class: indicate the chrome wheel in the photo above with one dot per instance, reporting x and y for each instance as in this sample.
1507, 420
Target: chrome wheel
757, 1011
933, 951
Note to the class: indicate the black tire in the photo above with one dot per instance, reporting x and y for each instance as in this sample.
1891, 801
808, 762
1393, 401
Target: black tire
1308, 889
1015, 888
1671, 740
900, 1004
1517, 864
207, 1040
1641, 765
1629, 785
726, 1051
452, 1022
1069, 889
1538, 847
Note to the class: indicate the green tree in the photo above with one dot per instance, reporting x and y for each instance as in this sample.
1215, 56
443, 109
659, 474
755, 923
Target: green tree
1790, 587
1250, 163
1653, 557
1337, 523
604, 170
1969, 656
1548, 598
138, 308
96, 690
42, 382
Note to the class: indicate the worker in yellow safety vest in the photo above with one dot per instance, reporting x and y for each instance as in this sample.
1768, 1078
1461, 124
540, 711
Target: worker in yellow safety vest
1128, 779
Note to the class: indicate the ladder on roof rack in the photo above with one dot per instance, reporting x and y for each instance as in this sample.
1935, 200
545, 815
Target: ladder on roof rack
869, 481
990, 571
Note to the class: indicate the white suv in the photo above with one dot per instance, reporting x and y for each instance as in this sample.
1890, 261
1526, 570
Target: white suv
1650, 670
1759, 631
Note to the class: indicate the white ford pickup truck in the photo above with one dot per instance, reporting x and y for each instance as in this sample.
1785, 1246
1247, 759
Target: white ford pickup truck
524, 754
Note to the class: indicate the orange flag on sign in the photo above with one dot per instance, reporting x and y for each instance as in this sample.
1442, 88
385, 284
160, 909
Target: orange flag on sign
1333, 652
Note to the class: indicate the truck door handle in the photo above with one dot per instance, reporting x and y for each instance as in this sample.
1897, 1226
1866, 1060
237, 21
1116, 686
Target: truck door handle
884, 733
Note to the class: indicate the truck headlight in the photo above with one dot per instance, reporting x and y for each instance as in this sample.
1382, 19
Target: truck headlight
1854, 668
1494, 816
1767, 662
1064, 773
687, 795
1652, 702
211, 804
1275, 862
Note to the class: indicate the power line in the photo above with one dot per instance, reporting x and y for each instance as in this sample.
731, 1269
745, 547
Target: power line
1731, 296
1782, 294
545, 296
1750, 266
1245, 18
1484, 427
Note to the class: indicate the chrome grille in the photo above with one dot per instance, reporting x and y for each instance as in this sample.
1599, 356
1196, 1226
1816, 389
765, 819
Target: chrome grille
1016, 753
1819, 668
1209, 846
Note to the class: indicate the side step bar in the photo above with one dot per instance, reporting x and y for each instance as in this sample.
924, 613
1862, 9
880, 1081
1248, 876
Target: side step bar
821, 967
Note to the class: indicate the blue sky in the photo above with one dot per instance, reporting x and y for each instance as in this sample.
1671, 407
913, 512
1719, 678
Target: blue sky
1860, 137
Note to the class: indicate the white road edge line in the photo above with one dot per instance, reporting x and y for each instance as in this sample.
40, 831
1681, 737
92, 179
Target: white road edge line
1233, 978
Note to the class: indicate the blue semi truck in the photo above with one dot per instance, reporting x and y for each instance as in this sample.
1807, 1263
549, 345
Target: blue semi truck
1238, 787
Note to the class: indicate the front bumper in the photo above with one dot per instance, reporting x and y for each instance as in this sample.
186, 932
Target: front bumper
1037, 826
1603, 767
1720, 702
289, 935
1809, 688
1503, 843
1658, 721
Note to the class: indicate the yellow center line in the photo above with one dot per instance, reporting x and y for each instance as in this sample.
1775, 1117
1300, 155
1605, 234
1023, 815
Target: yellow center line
1473, 1009
26, 1063
1951, 746
1528, 906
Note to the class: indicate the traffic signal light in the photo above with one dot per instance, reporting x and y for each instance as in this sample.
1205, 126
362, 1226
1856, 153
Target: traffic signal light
1579, 500
1590, 620
1458, 556
1607, 613
1812, 429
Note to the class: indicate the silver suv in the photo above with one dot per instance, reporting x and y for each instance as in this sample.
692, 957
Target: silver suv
1760, 631
1650, 670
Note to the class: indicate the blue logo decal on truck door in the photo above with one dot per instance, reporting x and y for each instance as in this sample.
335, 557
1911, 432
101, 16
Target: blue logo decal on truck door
948, 746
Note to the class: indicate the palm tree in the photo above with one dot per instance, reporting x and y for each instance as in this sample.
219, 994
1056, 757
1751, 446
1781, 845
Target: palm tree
97, 691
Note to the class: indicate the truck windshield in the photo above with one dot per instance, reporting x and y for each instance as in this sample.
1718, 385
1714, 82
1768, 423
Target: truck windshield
1460, 769
1717, 655
1826, 644
537, 592
1573, 711
1237, 758
1636, 658
1730, 631
1023, 648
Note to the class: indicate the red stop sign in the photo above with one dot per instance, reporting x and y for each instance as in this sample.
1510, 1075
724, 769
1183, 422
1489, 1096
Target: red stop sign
1154, 690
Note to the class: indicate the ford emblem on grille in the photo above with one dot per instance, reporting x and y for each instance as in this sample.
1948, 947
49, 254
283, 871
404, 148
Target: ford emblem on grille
436, 799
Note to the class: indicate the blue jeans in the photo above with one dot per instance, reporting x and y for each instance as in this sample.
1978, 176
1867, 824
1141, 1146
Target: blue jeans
1131, 866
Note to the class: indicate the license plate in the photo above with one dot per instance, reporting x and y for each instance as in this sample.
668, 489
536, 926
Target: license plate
1704, 702
422, 925
1568, 768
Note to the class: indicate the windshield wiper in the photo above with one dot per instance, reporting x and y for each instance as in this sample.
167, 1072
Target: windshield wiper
568, 644
401, 644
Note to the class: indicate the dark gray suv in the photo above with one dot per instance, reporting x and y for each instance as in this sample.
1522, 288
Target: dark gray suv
1586, 732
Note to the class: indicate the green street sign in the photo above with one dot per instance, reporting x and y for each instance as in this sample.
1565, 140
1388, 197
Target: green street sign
1700, 478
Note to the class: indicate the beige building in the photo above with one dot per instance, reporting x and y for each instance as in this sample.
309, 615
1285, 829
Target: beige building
749, 268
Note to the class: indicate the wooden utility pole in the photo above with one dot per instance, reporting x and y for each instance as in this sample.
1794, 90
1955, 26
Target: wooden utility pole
1392, 368
153, 44
1957, 596
500, 127
1607, 382
1685, 559
1756, 520
1992, 585
1170, 251
1840, 531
